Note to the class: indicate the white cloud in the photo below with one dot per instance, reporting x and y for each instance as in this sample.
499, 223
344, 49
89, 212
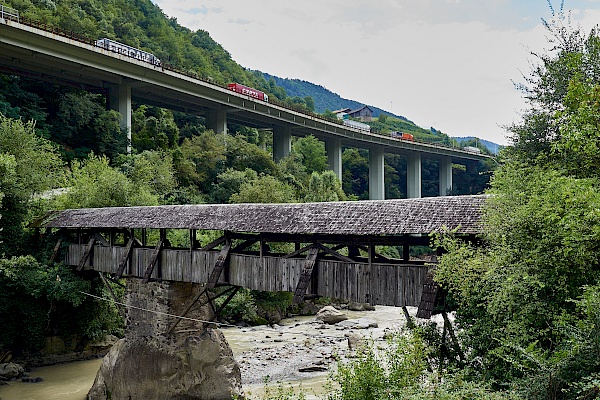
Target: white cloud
447, 64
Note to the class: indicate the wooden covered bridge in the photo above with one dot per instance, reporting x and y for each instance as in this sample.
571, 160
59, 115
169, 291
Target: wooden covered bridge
322, 249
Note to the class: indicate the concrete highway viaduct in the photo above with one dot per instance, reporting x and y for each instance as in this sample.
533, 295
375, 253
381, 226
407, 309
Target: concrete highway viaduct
53, 56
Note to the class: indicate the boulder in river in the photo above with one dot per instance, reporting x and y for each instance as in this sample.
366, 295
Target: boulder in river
202, 367
10, 371
330, 315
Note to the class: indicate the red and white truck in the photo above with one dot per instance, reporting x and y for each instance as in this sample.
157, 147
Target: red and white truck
248, 91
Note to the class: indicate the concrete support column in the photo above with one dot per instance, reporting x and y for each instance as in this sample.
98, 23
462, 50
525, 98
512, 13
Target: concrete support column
413, 179
120, 100
282, 142
445, 181
217, 121
376, 174
333, 147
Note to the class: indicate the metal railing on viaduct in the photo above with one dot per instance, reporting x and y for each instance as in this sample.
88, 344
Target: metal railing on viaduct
49, 54
323, 249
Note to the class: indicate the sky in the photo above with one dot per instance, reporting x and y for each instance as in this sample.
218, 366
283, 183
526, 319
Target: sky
447, 64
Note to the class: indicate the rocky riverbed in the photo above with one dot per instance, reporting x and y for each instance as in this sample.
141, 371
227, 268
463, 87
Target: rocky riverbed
302, 349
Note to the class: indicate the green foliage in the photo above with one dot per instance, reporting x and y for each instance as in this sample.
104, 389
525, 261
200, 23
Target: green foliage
324, 187
153, 128
312, 153
94, 183
264, 189
230, 182
30, 165
400, 370
29, 296
151, 169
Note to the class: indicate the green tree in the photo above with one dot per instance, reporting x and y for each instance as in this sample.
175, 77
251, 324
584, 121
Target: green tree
312, 152
30, 166
264, 189
324, 187
94, 183
230, 182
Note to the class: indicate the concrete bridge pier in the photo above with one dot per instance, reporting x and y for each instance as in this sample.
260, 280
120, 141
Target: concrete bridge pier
217, 121
413, 178
155, 361
376, 174
282, 141
119, 99
333, 148
445, 176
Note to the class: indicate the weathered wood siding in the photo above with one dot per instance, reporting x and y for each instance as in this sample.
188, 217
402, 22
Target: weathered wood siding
382, 284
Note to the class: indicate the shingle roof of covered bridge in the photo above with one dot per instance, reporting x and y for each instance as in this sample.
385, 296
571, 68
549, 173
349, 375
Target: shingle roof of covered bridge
378, 217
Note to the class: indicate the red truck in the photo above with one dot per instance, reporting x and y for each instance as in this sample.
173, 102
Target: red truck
402, 136
248, 91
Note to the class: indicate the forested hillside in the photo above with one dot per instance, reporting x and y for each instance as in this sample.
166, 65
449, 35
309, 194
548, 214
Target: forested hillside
324, 99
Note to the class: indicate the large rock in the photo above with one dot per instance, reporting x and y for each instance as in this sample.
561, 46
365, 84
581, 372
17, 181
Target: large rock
202, 367
330, 315
10, 371
155, 362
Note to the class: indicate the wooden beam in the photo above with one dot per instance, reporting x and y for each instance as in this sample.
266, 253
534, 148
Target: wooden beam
123, 262
244, 245
214, 243
56, 249
219, 265
334, 253
86, 254
227, 300
153, 261
112, 294
100, 239
306, 274
299, 251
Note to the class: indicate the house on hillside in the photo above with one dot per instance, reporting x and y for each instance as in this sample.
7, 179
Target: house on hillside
341, 113
364, 113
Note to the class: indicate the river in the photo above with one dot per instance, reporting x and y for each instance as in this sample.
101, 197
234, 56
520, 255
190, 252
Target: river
279, 352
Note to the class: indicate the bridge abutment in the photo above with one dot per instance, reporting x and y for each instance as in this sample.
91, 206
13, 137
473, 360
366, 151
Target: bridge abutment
151, 362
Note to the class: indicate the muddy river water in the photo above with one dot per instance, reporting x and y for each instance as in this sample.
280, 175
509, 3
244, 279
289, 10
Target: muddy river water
296, 352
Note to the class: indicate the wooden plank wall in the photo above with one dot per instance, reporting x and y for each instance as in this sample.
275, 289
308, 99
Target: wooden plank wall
381, 284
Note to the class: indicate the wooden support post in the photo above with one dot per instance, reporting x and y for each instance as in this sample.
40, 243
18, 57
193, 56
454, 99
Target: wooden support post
123, 262
112, 294
222, 260
56, 249
100, 239
153, 261
227, 300
405, 252
309, 263
87, 252
144, 236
